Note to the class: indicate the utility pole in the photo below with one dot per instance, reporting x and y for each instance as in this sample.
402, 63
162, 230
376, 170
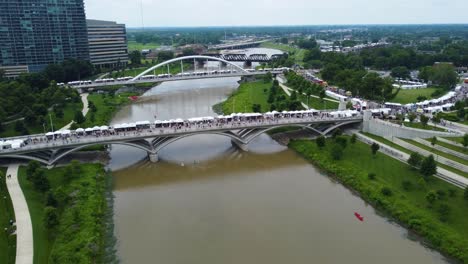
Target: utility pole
51, 124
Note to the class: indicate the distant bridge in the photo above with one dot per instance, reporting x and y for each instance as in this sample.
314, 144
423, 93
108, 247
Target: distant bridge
241, 129
147, 77
239, 45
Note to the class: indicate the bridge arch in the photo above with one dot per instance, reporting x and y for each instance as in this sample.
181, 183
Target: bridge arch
186, 58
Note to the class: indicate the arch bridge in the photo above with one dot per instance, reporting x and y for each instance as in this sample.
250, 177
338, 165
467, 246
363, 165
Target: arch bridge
153, 140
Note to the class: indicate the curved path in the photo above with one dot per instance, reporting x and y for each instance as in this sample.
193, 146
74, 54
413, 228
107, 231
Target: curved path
24, 231
84, 99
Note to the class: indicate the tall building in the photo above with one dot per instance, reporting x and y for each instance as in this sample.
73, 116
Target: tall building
107, 43
35, 33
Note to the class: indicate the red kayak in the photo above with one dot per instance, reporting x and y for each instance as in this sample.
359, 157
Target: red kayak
358, 216
133, 98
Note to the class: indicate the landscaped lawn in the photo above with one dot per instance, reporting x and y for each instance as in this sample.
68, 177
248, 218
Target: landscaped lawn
420, 126
411, 95
7, 241
246, 96
437, 152
296, 53
407, 205
450, 146
133, 45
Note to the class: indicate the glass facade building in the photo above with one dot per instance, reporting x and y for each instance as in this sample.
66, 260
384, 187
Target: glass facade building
40, 32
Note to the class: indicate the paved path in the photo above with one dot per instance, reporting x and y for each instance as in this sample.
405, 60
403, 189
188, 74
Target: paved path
448, 141
442, 148
438, 158
84, 100
442, 173
24, 231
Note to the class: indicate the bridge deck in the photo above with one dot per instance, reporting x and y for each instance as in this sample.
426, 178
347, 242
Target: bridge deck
76, 141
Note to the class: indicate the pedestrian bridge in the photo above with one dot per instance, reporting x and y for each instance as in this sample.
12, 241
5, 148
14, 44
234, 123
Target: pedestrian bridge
152, 137
150, 76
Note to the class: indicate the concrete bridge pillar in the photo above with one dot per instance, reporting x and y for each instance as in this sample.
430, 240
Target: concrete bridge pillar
240, 145
153, 157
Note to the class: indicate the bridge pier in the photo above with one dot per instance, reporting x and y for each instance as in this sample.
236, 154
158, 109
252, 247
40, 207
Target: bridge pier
240, 145
153, 157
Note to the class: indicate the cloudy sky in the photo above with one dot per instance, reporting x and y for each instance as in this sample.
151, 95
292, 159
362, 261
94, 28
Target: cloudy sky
163, 13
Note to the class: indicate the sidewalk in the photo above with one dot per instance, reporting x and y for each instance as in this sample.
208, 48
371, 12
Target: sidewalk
24, 232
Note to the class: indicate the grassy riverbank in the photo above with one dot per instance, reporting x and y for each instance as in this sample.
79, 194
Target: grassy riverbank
79, 192
411, 95
7, 241
445, 229
244, 98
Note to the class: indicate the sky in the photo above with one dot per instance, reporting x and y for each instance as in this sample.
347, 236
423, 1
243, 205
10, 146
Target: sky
194, 13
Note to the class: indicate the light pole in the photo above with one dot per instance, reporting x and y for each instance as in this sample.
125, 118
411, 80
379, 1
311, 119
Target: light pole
51, 124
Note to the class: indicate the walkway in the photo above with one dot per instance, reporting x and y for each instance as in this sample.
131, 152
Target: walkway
450, 142
24, 232
442, 174
287, 91
438, 158
84, 100
442, 148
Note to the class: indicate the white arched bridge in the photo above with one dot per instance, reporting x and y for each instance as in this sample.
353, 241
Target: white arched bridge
150, 76
154, 136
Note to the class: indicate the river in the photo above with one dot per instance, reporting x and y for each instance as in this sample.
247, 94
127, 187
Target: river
207, 202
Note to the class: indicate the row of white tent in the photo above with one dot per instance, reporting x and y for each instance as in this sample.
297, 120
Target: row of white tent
12, 144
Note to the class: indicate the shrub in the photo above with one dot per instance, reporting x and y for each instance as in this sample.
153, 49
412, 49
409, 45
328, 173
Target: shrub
407, 185
320, 141
353, 139
50, 217
444, 212
371, 176
342, 141
441, 194
386, 191
452, 192
431, 197
415, 160
336, 152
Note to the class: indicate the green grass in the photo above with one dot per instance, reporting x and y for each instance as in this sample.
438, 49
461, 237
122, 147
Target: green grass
296, 53
437, 152
246, 96
84, 194
407, 151
133, 45
450, 146
35, 200
420, 126
68, 115
408, 207
410, 96
318, 104
106, 106
452, 117
7, 242
455, 139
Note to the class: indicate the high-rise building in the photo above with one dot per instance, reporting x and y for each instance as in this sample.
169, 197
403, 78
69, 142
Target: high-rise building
35, 33
107, 43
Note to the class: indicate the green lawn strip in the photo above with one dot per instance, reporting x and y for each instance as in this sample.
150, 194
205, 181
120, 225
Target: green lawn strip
455, 139
407, 151
35, 201
406, 96
420, 126
133, 45
318, 104
450, 146
68, 115
79, 237
248, 94
408, 207
452, 117
437, 152
106, 106
7, 241
296, 53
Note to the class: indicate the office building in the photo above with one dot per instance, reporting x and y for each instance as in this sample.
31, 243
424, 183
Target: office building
35, 33
107, 44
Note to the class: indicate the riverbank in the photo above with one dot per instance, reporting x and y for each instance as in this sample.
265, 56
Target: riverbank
70, 220
400, 192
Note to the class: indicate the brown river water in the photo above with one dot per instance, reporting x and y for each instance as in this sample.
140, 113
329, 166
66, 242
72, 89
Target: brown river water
208, 202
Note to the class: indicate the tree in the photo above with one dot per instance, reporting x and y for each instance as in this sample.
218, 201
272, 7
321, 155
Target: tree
79, 118
31, 168
415, 160
400, 72
444, 212
465, 140
256, 108
267, 77
461, 114
165, 55
284, 40
353, 139
424, 119
433, 141
135, 57
431, 197
50, 217
337, 132
411, 117
336, 152
40, 181
342, 141
428, 167
374, 148
320, 141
